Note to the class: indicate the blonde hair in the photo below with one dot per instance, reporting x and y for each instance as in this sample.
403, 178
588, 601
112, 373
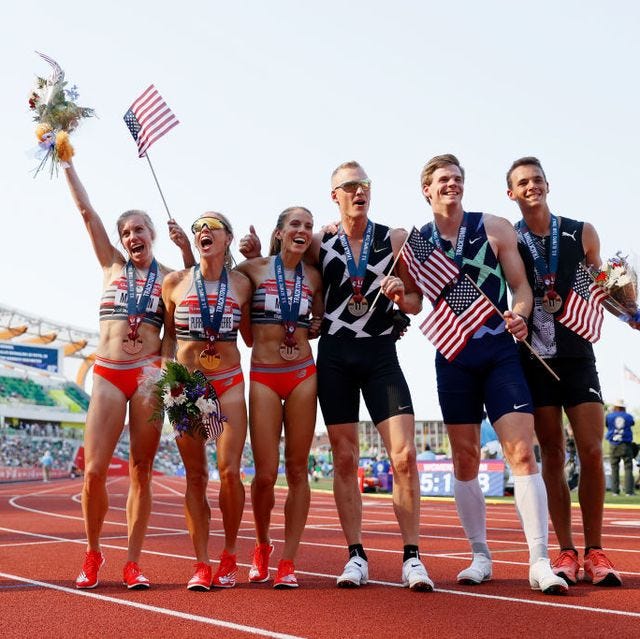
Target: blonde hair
438, 162
229, 262
145, 216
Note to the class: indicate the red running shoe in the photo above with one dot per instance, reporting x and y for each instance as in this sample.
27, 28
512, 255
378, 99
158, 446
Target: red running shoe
88, 577
259, 571
286, 577
201, 579
133, 578
567, 566
599, 570
227, 572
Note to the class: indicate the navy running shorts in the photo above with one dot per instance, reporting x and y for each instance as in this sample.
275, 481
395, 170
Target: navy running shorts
348, 365
487, 373
579, 383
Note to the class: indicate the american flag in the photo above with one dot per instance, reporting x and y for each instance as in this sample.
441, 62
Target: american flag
430, 268
630, 375
58, 73
148, 119
582, 311
456, 317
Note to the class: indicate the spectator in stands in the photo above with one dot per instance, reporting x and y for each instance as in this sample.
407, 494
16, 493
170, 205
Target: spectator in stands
47, 462
286, 311
131, 317
205, 306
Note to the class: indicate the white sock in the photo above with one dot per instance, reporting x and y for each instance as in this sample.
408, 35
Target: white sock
531, 503
473, 513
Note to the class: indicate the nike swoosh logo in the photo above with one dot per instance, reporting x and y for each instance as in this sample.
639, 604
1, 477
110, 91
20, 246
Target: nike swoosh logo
404, 407
357, 564
415, 565
474, 240
377, 250
518, 406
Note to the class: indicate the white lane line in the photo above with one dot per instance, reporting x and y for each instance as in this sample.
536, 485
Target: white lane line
252, 630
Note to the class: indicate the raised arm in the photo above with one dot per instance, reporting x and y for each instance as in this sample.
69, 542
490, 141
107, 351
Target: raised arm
180, 239
591, 246
104, 250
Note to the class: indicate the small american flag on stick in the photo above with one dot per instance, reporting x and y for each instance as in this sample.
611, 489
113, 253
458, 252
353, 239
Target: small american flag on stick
148, 119
582, 311
429, 267
456, 317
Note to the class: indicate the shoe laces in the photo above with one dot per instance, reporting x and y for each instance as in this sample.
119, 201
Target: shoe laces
567, 556
261, 554
132, 569
92, 560
598, 558
227, 563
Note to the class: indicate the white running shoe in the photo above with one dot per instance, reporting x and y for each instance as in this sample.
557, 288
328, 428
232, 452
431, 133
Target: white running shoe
355, 573
542, 577
477, 572
415, 576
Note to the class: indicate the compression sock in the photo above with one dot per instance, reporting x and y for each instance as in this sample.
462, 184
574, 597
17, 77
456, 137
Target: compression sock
531, 504
473, 514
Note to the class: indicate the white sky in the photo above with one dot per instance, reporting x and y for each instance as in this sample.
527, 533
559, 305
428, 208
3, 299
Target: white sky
273, 95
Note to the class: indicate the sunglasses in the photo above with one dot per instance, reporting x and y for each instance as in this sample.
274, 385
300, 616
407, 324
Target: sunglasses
212, 223
353, 185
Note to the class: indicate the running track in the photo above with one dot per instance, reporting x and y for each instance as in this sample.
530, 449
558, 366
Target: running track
42, 545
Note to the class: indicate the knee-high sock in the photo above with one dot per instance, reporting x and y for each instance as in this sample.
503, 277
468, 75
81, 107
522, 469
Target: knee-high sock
531, 503
473, 513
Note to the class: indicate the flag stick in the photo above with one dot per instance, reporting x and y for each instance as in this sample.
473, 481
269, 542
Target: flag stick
146, 155
395, 261
524, 341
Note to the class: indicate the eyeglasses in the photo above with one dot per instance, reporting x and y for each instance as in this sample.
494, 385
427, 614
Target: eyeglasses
212, 223
353, 185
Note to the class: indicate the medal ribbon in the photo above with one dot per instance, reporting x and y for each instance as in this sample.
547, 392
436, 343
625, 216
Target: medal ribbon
211, 324
460, 241
137, 309
288, 310
357, 272
547, 272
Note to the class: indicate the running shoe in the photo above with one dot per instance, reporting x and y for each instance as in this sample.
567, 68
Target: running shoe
227, 572
259, 571
415, 576
599, 570
567, 566
133, 578
480, 570
355, 573
542, 577
88, 577
286, 577
201, 579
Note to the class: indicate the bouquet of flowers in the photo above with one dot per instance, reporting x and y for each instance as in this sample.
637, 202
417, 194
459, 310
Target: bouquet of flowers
57, 114
190, 401
620, 281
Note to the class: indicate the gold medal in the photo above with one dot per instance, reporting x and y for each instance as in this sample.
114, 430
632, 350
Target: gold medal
289, 352
132, 346
210, 359
551, 303
359, 307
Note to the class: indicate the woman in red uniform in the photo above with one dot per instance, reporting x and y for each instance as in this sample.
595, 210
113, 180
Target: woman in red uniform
205, 306
131, 316
283, 385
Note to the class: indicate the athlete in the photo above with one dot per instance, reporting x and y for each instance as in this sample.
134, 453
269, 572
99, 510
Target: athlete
357, 353
552, 249
487, 373
206, 305
283, 386
131, 316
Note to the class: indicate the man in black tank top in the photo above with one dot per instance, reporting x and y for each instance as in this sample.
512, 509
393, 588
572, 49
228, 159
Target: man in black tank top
486, 374
558, 246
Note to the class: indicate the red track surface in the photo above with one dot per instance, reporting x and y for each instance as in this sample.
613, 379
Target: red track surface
42, 545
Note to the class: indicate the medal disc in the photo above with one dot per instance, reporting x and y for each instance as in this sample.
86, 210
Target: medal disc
210, 360
289, 353
551, 304
359, 308
132, 346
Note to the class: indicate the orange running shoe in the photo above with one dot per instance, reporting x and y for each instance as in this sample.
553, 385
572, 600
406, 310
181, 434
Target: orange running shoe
133, 578
567, 566
88, 577
286, 577
227, 572
599, 570
259, 571
201, 579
